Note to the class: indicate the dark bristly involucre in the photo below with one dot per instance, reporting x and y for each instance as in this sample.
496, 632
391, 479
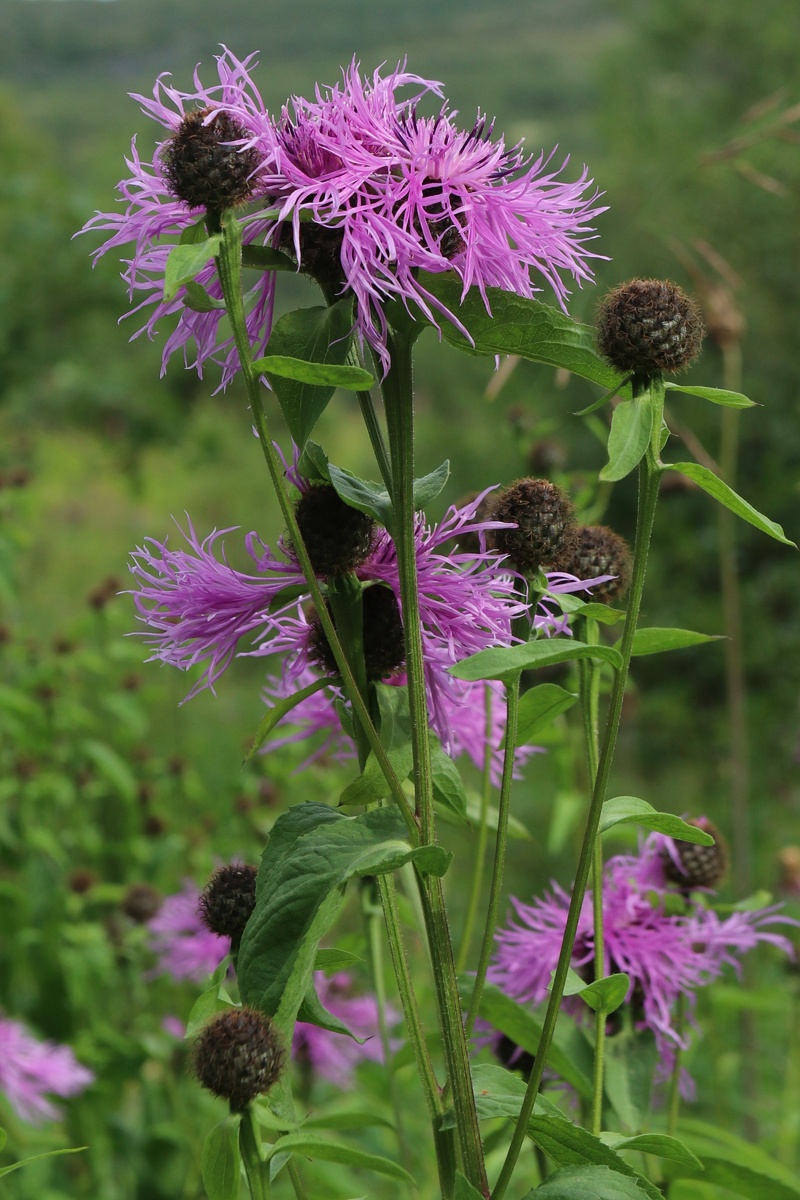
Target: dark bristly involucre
228, 899
647, 326
238, 1055
598, 550
542, 525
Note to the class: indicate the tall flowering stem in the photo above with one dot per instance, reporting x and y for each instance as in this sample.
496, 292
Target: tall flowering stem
399, 405
483, 837
650, 469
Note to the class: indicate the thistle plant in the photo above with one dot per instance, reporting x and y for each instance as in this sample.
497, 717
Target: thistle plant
403, 642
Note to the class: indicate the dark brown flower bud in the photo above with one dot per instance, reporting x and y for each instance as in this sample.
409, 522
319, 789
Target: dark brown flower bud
384, 647
545, 525
228, 899
238, 1056
598, 550
81, 880
692, 866
202, 168
647, 326
337, 537
141, 902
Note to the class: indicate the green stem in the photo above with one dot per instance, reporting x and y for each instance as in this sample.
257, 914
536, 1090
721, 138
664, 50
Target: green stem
674, 1101
504, 807
297, 1179
398, 403
256, 1170
483, 838
649, 473
229, 267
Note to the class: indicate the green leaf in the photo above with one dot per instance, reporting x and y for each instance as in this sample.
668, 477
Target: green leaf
464, 1189
220, 1164
532, 330
331, 960
448, 786
606, 995
712, 1143
603, 613
499, 1093
570, 1054
312, 852
199, 300
590, 1183
715, 395
279, 710
631, 426
371, 785
656, 641
739, 1179
313, 464
630, 1063
726, 496
187, 260
347, 1118
539, 707
313, 1012
429, 486
623, 810
212, 1001
38, 1157
194, 233
570, 1145
319, 1148
503, 662
322, 374
265, 258
367, 497
660, 1144
313, 335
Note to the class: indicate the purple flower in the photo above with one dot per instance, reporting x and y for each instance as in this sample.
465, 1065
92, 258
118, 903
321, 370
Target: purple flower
184, 947
29, 1069
666, 955
154, 219
403, 192
334, 1056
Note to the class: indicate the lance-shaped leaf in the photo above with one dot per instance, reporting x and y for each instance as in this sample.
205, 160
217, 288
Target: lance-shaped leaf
368, 497
312, 335
591, 1183
623, 810
656, 641
515, 325
539, 707
198, 299
324, 374
504, 662
629, 437
187, 260
220, 1162
312, 852
660, 1144
715, 395
715, 487
311, 1145
281, 707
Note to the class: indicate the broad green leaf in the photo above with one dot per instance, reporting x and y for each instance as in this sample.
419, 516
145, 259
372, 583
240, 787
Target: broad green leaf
726, 496
539, 707
570, 1145
448, 786
315, 1147
711, 1143
660, 1144
279, 710
631, 810
590, 1183
503, 662
312, 852
499, 1093
198, 299
606, 995
570, 1054
367, 497
313, 464
631, 426
220, 1164
323, 374
313, 1012
187, 260
265, 258
604, 613
715, 395
429, 486
38, 1157
331, 960
516, 325
210, 1002
371, 785
347, 1118
739, 1179
464, 1189
656, 641
194, 233
313, 335
630, 1063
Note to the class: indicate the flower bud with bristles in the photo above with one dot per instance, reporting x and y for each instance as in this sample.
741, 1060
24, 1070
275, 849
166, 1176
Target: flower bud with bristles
338, 538
544, 524
647, 326
598, 550
202, 168
228, 899
692, 866
238, 1055
384, 646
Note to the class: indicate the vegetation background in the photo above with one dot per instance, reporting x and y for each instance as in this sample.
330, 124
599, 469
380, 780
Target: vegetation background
689, 120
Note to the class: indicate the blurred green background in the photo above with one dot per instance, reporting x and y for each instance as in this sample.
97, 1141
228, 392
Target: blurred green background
689, 121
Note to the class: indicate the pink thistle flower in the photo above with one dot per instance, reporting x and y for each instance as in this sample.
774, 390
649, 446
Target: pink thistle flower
30, 1069
334, 1056
154, 219
184, 947
665, 955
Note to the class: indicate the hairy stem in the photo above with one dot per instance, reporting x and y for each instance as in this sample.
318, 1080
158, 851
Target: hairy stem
483, 837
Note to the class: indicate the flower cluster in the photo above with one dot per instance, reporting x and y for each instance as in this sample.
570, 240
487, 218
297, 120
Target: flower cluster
184, 946
359, 187
30, 1069
199, 609
666, 954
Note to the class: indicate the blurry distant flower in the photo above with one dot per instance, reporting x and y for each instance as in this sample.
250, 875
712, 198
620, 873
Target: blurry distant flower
157, 210
184, 947
666, 955
396, 192
334, 1056
29, 1069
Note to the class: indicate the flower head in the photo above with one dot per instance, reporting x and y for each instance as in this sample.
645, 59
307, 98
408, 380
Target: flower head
665, 954
334, 1056
185, 948
30, 1069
